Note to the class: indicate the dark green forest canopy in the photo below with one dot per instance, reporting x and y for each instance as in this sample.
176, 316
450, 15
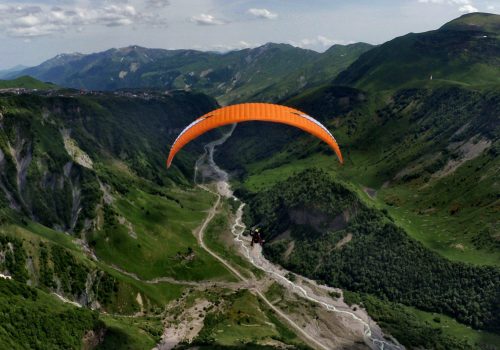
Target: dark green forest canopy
380, 259
31, 319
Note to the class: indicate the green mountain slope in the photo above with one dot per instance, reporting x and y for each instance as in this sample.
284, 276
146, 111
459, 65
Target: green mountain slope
89, 215
484, 22
423, 157
66, 164
269, 72
425, 160
93, 166
31, 318
464, 52
53, 147
26, 82
314, 72
430, 156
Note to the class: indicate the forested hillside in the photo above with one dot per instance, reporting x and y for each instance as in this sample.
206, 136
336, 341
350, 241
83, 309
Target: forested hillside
97, 244
68, 164
57, 152
319, 228
33, 319
420, 151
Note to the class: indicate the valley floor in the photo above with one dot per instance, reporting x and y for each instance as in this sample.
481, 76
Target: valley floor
330, 323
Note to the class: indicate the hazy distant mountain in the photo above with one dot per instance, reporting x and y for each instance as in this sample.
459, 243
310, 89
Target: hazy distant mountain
268, 72
5, 73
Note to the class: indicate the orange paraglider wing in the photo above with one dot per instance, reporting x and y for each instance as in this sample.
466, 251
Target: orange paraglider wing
244, 112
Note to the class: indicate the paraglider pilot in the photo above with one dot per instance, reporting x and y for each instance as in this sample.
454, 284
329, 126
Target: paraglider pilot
256, 237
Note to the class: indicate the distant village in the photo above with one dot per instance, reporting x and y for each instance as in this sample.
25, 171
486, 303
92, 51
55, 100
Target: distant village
141, 94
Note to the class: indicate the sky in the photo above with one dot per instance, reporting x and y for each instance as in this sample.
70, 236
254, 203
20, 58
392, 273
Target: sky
32, 31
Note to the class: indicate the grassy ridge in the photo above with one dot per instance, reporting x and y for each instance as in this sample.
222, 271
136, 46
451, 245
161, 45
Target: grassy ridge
26, 82
448, 55
165, 245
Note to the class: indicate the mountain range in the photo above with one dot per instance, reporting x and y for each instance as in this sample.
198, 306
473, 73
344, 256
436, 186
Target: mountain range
268, 72
5, 73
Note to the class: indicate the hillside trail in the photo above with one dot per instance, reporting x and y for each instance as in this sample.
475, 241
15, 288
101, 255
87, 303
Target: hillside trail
211, 175
198, 284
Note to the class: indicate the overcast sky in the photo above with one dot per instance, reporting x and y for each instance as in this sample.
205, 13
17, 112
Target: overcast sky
32, 31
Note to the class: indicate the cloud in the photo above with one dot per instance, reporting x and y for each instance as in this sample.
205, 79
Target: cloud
206, 20
464, 6
319, 41
468, 8
238, 46
157, 3
35, 21
450, 2
262, 13
324, 41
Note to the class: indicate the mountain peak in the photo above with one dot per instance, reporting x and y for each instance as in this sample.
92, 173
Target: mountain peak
130, 48
271, 45
477, 21
341, 48
68, 55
